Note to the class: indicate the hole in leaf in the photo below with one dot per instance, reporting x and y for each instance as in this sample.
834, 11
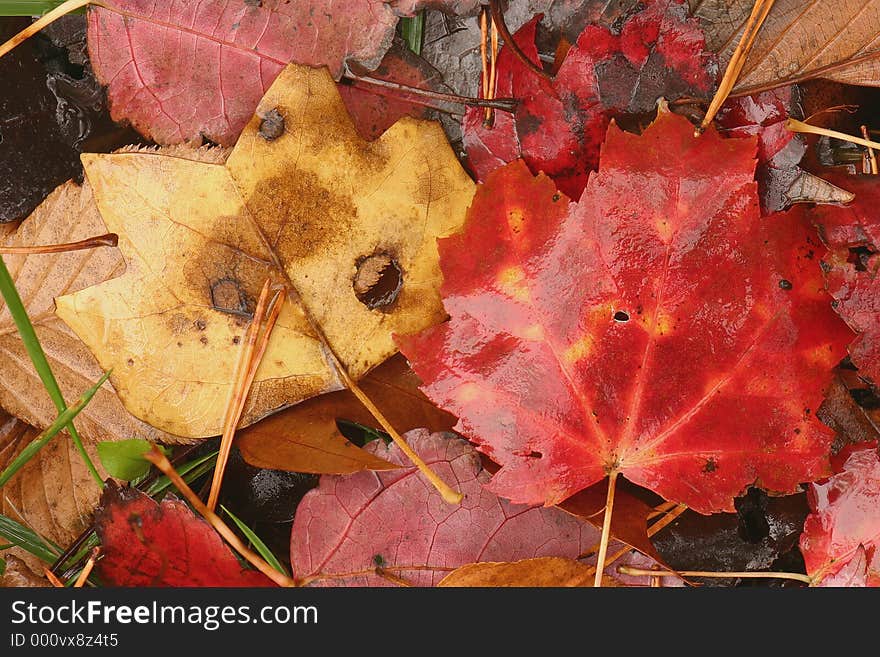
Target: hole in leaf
378, 281
621, 316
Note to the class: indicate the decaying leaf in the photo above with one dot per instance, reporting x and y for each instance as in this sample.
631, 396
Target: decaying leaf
371, 527
844, 526
852, 266
671, 336
305, 437
145, 543
54, 493
303, 200
559, 125
68, 214
800, 40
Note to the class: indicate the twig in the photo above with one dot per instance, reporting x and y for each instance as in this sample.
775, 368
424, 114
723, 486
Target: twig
249, 359
157, 458
498, 19
503, 104
108, 239
629, 570
738, 60
606, 530
87, 569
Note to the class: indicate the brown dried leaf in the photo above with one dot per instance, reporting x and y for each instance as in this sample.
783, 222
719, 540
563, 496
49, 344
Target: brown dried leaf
53, 493
800, 40
19, 575
68, 214
305, 438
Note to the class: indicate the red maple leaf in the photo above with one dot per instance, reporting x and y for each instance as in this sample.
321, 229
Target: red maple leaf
659, 329
559, 125
842, 534
369, 528
779, 150
852, 267
145, 543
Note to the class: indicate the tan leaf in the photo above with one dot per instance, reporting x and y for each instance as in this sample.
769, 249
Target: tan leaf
801, 39
19, 575
543, 571
302, 199
304, 438
53, 493
68, 214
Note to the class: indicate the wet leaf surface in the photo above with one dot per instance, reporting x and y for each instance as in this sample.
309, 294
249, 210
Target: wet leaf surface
852, 267
842, 533
597, 338
145, 543
559, 125
372, 527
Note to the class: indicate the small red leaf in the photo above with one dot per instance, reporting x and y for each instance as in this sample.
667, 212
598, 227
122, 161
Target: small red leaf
559, 125
659, 328
350, 528
145, 543
842, 535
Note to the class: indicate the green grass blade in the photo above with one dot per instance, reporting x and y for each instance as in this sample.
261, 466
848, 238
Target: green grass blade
27, 7
257, 542
413, 30
38, 358
28, 539
64, 419
189, 471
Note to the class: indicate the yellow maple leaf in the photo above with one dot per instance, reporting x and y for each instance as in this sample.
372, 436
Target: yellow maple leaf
349, 226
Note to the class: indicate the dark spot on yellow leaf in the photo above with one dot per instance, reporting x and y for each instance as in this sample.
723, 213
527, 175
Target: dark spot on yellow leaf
271, 125
228, 296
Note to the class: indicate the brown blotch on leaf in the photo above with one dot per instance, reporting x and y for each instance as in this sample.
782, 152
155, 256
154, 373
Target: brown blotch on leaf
271, 125
378, 281
228, 296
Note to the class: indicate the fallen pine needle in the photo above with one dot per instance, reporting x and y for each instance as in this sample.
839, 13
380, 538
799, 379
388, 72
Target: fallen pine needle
249, 358
629, 570
157, 458
799, 126
53, 578
87, 569
737, 61
109, 239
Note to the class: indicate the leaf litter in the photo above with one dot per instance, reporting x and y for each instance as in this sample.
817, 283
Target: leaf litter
780, 182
